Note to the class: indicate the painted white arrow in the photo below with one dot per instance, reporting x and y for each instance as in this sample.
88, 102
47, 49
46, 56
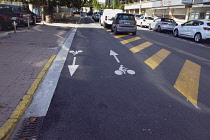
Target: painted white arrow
73, 67
114, 54
76, 52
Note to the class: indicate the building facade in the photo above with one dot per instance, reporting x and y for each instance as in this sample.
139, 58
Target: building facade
180, 10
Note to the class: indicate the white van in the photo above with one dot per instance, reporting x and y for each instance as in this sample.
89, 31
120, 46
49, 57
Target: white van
108, 15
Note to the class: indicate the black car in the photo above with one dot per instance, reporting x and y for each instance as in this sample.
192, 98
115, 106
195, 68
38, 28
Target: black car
22, 13
96, 15
7, 18
36, 18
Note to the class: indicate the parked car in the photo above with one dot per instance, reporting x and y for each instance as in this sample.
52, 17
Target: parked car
108, 16
145, 21
162, 24
124, 22
7, 18
21, 13
96, 15
137, 17
38, 18
197, 29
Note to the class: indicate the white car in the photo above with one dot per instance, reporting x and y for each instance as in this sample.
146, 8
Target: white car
107, 17
197, 29
145, 21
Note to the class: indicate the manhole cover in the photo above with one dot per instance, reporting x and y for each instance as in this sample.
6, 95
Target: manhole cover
29, 129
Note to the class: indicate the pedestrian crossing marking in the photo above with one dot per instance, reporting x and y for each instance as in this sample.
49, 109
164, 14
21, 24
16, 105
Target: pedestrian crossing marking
119, 36
188, 81
140, 47
108, 30
130, 40
157, 58
111, 33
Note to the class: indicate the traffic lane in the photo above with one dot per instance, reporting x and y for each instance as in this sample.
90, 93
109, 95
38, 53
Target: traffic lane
97, 104
183, 47
195, 82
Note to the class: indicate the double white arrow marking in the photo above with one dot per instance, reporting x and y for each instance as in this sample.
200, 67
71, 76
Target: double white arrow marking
73, 67
115, 55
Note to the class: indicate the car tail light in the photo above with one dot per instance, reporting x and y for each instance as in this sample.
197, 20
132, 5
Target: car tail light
206, 28
4, 17
105, 17
21, 15
135, 23
176, 24
164, 23
144, 20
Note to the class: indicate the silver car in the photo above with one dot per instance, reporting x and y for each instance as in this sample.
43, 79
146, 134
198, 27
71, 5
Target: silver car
161, 24
124, 22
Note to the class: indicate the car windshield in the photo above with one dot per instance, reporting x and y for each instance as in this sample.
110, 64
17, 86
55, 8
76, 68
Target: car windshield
23, 9
126, 17
167, 20
138, 16
150, 18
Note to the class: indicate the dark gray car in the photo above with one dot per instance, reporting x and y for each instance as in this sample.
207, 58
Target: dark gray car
125, 23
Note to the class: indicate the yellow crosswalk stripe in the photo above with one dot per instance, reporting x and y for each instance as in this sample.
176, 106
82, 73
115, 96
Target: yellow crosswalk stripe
140, 47
119, 36
188, 81
111, 33
108, 30
130, 40
157, 58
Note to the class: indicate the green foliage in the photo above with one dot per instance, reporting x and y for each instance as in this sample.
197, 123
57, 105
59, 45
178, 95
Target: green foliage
2, 106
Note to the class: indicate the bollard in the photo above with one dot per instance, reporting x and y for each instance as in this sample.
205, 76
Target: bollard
35, 20
14, 24
28, 23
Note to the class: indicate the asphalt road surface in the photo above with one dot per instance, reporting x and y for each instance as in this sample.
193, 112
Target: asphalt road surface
156, 88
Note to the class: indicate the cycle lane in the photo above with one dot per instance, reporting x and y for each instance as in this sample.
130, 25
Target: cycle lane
95, 103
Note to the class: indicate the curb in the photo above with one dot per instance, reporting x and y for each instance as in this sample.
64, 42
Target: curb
7, 128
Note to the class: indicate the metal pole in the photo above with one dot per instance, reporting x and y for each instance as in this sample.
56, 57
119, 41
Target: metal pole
28, 23
14, 23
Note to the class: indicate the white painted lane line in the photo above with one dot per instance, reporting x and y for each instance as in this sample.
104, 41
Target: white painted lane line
44, 93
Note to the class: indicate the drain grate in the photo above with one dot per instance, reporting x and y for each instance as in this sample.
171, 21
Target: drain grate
29, 129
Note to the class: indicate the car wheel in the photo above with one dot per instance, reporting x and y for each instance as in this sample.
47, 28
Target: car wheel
198, 37
1, 27
115, 31
159, 29
105, 25
134, 33
150, 28
176, 33
112, 29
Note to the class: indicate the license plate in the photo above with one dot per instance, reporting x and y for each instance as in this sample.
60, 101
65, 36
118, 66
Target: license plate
127, 23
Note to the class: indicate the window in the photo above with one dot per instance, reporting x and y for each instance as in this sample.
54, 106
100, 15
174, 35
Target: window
167, 20
150, 18
189, 23
197, 23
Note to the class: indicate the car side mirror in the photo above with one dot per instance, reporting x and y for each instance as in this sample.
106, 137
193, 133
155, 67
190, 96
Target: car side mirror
182, 24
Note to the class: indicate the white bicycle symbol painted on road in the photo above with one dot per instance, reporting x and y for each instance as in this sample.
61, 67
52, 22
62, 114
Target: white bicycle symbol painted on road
123, 70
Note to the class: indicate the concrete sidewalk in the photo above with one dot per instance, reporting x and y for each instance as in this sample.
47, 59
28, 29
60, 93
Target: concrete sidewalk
23, 55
